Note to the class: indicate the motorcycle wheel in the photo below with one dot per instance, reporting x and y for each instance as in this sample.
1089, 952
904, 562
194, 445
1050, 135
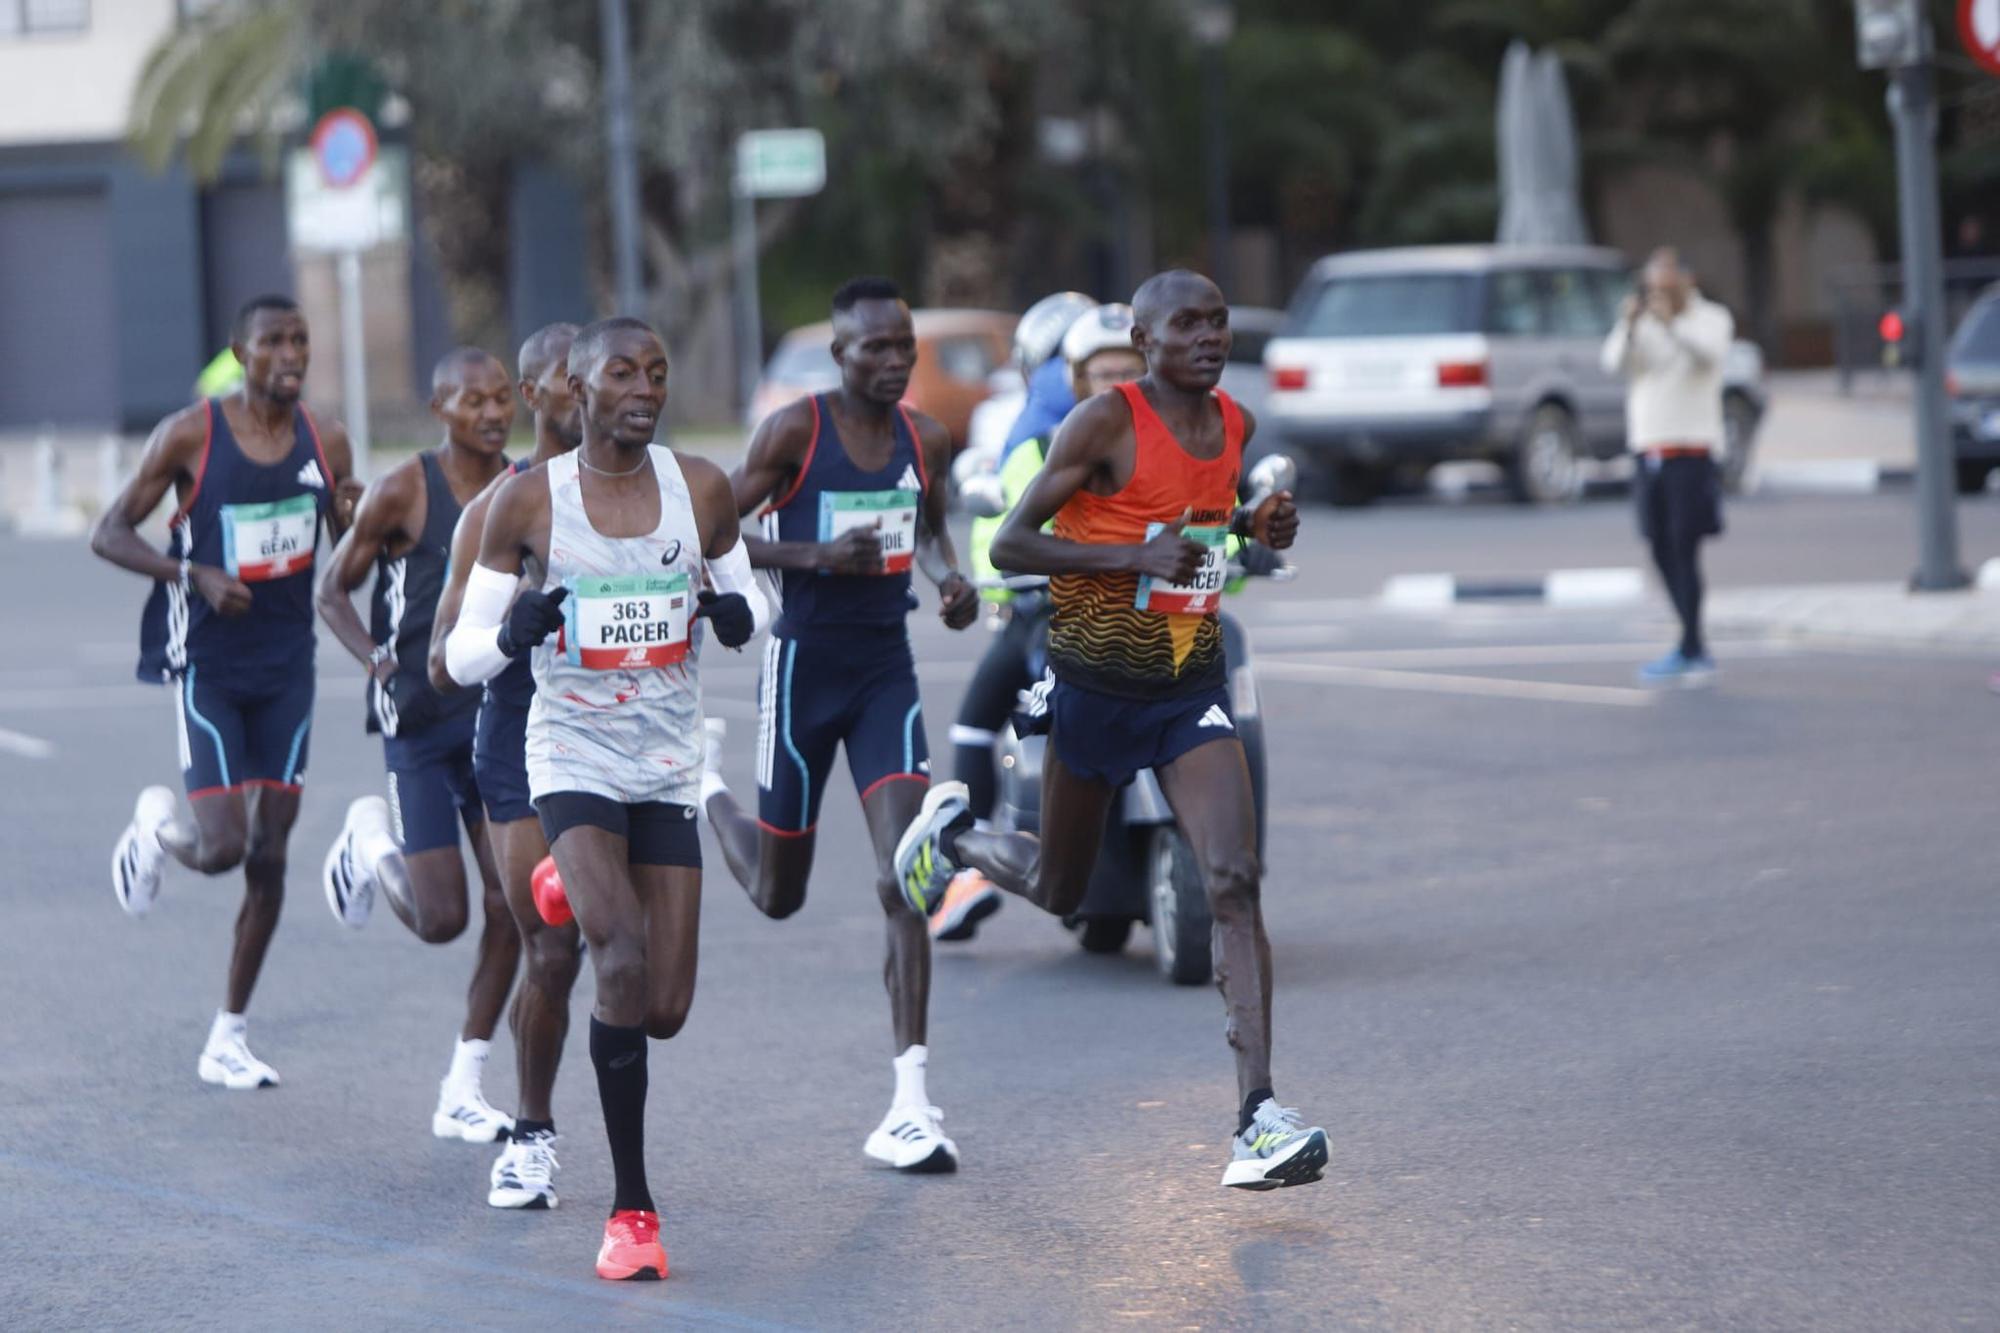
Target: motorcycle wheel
1106, 934
1181, 921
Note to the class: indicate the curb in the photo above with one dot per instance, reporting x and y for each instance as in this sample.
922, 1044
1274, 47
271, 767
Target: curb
1558, 588
1830, 476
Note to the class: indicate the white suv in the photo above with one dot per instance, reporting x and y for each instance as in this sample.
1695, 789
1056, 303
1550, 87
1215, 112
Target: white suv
1391, 360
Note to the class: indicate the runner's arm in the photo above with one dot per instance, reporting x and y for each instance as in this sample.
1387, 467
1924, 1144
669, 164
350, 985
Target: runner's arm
464, 554
1275, 520
958, 600
473, 650
776, 456
346, 486
723, 547
379, 520
173, 451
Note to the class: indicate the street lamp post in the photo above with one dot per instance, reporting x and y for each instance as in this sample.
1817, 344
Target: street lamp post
1214, 23
622, 157
1896, 35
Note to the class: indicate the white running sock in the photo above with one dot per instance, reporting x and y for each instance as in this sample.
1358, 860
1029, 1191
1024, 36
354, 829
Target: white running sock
226, 1025
468, 1062
909, 1067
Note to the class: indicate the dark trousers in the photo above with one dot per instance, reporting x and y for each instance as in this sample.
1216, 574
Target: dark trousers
989, 702
1680, 503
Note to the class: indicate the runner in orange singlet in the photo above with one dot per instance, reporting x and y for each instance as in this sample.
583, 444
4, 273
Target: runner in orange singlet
1141, 485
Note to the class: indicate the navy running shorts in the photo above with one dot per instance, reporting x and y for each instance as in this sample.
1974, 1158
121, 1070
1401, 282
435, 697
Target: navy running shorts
1107, 738
235, 736
500, 760
431, 787
656, 833
857, 689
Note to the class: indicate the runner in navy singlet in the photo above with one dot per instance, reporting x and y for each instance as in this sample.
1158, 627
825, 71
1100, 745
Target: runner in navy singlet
408, 846
853, 486
523, 1176
229, 626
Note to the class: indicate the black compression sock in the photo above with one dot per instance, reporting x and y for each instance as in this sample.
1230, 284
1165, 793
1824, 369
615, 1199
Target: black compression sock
1257, 1097
620, 1056
524, 1127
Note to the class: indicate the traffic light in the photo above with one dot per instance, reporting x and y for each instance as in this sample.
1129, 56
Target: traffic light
1889, 34
1901, 343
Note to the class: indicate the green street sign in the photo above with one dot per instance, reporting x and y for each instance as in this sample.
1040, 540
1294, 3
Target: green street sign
775, 164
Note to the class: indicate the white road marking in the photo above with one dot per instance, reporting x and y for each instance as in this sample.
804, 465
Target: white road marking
28, 747
1524, 654
1427, 682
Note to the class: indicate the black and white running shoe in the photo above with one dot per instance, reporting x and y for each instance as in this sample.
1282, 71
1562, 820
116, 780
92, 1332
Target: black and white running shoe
138, 861
910, 1140
525, 1172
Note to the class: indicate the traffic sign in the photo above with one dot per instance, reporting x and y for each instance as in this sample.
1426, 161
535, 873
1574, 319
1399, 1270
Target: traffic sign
778, 164
1979, 29
372, 211
343, 145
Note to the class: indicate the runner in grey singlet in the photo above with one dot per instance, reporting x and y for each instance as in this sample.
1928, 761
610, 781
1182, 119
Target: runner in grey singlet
605, 720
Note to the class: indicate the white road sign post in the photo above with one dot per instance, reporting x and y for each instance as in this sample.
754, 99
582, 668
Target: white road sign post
770, 164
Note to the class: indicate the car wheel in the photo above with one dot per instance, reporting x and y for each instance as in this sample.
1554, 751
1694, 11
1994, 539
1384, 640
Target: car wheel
1972, 475
1106, 934
1739, 432
1547, 468
1181, 920
1355, 485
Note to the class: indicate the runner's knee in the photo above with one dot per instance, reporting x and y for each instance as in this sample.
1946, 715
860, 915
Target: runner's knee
553, 962
621, 975
778, 896
1232, 880
441, 923
666, 1017
215, 854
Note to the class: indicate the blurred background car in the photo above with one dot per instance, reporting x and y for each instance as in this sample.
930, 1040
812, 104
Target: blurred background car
1972, 378
958, 352
1251, 328
1390, 361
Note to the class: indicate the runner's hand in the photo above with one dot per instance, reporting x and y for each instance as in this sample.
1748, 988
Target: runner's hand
229, 597
1275, 522
856, 551
385, 670
730, 613
958, 601
533, 617
1170, 557
412, 703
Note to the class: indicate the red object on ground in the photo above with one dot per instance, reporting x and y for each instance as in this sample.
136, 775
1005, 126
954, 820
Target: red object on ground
550, 899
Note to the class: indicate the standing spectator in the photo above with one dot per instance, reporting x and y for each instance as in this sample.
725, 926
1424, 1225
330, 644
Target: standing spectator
1670, 342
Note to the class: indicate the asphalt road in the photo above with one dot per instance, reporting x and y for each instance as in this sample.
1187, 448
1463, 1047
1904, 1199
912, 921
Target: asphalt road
1622, 1011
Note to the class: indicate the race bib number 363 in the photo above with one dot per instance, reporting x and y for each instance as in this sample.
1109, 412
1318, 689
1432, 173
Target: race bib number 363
628, 621
268, 541
894, 511
1200, 594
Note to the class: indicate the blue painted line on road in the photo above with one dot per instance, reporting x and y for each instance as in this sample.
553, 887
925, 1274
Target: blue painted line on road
595, 1289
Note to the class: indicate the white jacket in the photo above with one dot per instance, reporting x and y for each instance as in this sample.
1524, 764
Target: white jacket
1675, 369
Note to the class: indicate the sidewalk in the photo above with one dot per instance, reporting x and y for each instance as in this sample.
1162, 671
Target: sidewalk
1870, 614
1808, 419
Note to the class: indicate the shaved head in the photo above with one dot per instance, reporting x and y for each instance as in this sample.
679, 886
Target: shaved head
592, 345
1164, 293
451, 369
543, 348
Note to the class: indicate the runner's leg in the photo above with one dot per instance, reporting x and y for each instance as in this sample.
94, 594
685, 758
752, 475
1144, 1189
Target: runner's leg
906, 971
1209, 790
272, 812
540, 1013
499, 942
1053, 871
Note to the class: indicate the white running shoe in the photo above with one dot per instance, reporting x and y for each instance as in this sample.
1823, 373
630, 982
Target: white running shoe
1276, 1150
525, 1172
464, 1113
350, 882
227, 1060
138, 861
909, 1140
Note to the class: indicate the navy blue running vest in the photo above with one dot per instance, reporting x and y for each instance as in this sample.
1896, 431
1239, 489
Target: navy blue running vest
404, 603
261, 522
832, 494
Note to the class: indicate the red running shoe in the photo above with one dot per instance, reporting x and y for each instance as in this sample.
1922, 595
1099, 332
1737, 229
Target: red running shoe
632, 1248
550, 899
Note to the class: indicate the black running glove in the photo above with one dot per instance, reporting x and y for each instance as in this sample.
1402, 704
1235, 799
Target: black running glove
729, 612
534, 616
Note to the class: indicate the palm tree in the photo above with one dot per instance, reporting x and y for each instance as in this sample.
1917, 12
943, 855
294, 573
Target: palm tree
216, 77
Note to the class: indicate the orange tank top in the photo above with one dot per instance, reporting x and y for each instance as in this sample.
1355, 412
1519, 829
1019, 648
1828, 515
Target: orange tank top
1131, 636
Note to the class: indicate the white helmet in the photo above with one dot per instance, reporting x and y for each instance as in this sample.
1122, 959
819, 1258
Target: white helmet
1041, 330
1104, 329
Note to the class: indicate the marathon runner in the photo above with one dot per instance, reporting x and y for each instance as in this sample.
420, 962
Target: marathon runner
1141, 486
1098, 354
854, 488
229, 624
523, 1175
407, 846
619, 535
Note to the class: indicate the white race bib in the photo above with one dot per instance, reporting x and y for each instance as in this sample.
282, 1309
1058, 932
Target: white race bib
1200, 594
261, 542
894, 511
626, 622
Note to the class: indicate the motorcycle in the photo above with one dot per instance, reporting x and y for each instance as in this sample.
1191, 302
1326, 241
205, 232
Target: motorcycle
1146, 872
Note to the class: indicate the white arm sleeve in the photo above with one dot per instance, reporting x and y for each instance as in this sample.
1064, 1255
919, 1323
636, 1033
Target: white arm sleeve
730, 572
472, 653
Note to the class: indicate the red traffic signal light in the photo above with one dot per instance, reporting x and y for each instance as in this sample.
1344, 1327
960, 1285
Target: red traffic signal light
1891, 326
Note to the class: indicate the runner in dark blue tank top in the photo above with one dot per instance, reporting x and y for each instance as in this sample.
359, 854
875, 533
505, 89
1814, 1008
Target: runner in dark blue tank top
229, 626
853, 486
407, 846
524, 1174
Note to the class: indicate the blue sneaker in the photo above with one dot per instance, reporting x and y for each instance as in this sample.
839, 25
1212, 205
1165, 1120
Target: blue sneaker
1668, 670
1698, 670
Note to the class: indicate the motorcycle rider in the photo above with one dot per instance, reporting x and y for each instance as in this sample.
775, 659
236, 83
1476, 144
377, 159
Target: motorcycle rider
1096, 354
